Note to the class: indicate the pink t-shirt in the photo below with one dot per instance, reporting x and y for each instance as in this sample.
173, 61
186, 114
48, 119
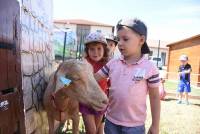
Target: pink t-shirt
128, 91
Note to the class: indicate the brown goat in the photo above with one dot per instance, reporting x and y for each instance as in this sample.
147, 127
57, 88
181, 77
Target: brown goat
61, 102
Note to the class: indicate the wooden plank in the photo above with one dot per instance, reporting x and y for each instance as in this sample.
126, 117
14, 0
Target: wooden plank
9, 114
12, 74
3, 69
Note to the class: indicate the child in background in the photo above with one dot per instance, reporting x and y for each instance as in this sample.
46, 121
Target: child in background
112, 43
97, 55
132, 77
162, 91
184, 79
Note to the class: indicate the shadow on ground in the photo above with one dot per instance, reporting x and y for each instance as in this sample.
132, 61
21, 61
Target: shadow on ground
196, 105
174, 99
170, 99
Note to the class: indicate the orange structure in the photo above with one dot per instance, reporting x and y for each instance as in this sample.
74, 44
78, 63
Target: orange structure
190, 47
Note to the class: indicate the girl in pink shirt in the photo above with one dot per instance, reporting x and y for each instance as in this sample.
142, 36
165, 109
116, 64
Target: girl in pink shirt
132, 77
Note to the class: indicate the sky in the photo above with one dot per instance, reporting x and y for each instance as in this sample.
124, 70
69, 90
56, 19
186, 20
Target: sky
167, 20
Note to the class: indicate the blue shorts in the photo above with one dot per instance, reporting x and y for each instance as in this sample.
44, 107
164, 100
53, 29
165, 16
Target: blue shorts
111, 128
184, 86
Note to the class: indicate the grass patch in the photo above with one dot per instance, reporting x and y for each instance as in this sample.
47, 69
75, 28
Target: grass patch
69, 129
177, 118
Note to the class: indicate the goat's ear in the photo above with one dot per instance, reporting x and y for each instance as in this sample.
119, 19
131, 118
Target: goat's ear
65, 81
59, 66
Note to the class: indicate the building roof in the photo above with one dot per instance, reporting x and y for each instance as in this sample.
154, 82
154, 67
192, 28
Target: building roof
154, 44
187, 39
81, 22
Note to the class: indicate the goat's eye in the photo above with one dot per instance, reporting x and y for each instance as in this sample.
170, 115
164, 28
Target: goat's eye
68, 77
76, 78
73, 78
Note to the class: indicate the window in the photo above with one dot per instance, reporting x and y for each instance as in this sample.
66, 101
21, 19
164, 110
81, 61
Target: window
157, 59
99, 31
163, 56
151, 53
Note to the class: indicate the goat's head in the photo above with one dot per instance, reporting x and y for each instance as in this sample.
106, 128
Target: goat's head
83, 86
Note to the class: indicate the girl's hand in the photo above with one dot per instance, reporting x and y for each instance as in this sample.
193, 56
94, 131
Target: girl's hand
153, 130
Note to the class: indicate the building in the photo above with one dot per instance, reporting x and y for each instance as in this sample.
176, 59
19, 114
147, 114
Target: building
190, 47
159, 49
83, 27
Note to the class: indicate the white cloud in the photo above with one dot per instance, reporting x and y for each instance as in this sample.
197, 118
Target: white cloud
188, 10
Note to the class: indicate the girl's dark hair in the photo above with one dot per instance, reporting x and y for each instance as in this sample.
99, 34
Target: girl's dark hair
105, 58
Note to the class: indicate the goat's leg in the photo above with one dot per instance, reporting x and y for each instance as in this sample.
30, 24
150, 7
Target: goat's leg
65, 126
51, 123
75, 124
